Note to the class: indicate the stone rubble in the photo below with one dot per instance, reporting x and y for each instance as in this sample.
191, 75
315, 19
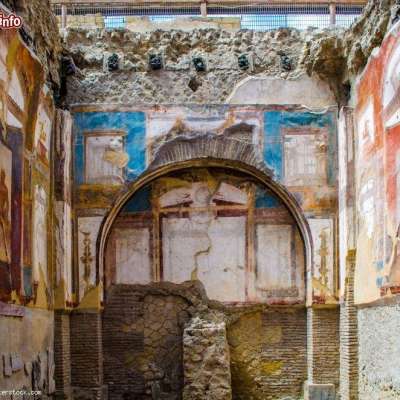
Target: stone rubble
206, 361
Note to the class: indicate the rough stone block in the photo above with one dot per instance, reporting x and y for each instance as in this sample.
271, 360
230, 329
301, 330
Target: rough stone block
206, 361
314, 391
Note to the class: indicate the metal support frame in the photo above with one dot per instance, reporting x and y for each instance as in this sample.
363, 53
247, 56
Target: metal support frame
63, 16
329, 9
332, 14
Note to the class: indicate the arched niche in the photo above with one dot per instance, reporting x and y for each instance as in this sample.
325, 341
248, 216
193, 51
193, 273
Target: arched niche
225, 223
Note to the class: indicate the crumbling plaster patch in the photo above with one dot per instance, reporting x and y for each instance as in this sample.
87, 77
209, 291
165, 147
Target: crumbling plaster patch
30, 340
338, 57
270, 90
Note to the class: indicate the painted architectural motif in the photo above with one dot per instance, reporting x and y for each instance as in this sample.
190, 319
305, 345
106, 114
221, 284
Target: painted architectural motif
212, 226
26, 262
26, 126
297, 146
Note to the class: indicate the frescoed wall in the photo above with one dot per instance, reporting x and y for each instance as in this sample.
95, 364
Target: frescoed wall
109, 147
377, 123
26, 262
210, 223
212, 226
26, 128
297, 148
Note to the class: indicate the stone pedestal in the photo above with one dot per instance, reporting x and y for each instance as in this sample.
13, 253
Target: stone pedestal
206, 361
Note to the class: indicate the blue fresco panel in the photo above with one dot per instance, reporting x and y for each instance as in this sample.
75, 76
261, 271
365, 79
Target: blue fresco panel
134, 123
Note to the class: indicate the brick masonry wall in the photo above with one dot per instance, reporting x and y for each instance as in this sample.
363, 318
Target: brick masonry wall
143, 340
268, 354
62, 354
142, 331
379, 352
323, 345
86, 354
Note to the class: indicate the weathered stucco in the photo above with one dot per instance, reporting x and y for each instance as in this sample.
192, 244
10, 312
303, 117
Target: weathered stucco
379, 376
338, 58
27, 351
275, 90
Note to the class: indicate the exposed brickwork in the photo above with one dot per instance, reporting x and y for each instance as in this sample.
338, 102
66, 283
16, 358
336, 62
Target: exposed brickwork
349, 338
268, 354
62, 354
208, 146
142, 331
86, 354
323, 345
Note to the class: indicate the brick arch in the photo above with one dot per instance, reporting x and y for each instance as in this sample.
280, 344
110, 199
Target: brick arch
222, 147
158, 171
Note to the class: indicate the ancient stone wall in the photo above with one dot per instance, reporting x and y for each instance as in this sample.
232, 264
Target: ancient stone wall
139, 339
335, 56
147, 353
379, 352
349, 336
177, 81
